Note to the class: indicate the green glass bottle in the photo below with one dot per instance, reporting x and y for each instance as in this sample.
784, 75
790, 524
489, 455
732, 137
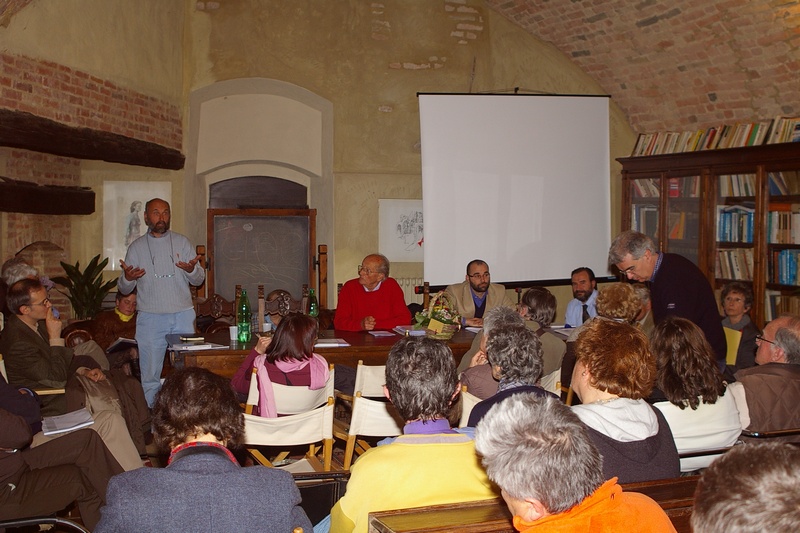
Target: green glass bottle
243, 318
313, 306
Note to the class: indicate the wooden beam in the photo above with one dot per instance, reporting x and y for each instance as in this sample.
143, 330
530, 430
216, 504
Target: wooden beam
19, 129
22, 197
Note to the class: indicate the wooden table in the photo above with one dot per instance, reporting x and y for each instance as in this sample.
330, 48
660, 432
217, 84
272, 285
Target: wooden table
363, 346
473, 517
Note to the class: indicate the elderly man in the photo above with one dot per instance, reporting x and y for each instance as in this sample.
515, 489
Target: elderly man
551, 475
373, 300
677, 287
475, 296
160, 265
750, 488
430, 463
582, 307
772, 387
119, 323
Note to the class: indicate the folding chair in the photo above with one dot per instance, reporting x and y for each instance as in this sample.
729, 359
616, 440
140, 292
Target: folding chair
369, 418
468, 401
310, 422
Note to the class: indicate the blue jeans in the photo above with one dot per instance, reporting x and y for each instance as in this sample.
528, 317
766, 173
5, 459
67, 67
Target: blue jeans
151, 335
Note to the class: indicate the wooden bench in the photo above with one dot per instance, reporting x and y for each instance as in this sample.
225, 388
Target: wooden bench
675, 496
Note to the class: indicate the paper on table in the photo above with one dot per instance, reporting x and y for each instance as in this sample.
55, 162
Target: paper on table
381, 333
52, 425
330, 343
410, 331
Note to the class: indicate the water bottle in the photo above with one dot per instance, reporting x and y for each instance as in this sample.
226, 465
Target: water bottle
243, 318
313, 306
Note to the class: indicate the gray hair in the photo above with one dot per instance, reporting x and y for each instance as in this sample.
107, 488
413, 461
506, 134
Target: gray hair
541, 305
629, 242
528, 443
517, 351
16, 269
787, 337
642, 292
384, 265
500, 316
753, 487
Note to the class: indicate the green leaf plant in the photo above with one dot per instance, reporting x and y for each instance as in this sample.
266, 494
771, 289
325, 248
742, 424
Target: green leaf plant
86, 287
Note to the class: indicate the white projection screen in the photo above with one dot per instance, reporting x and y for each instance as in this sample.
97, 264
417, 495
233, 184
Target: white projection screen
520, 181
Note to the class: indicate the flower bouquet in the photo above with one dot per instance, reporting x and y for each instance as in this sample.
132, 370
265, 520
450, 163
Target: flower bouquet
440, 320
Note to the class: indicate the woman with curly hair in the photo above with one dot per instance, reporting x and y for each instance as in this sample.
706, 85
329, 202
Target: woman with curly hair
613, 374
703, 411
197, 416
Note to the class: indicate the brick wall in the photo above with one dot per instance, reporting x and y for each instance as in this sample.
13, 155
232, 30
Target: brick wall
682, 64
79, 99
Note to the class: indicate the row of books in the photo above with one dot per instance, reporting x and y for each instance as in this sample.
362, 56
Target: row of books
784, 183
735, 264
783, 224
778, 130
735, 223
782, 267
737, 185
684, 225
644, 218
778, 304
688, 187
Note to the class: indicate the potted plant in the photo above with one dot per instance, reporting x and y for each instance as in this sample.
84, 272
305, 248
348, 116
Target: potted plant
86, 287
440, 320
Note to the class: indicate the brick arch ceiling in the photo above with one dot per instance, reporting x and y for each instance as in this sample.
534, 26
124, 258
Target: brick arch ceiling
677, 65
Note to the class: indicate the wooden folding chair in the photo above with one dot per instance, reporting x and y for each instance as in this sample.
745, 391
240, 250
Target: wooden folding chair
369, 418
468, 401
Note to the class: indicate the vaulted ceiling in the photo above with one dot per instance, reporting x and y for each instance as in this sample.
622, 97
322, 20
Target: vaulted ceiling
679, 63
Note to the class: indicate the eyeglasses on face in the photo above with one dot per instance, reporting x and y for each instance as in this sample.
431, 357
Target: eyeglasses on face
477, 275
626, 271
368, 271
760, 338
43, 302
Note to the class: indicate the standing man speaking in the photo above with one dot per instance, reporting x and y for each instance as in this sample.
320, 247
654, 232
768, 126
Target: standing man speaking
160, 265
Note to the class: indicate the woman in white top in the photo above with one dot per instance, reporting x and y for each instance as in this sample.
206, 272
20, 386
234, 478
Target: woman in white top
701, 409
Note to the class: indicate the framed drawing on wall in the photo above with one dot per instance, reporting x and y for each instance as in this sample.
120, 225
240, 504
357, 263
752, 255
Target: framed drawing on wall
400, 234
123, 214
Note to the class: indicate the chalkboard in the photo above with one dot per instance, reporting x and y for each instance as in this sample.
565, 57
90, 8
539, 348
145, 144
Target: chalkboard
251, 247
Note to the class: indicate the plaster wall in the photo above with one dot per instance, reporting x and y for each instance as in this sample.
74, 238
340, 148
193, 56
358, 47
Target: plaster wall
370, 60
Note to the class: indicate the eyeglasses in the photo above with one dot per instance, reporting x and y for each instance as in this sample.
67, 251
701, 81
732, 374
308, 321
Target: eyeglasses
369, 271
627, 271
479, 276
733, 299
43, 302
759, 338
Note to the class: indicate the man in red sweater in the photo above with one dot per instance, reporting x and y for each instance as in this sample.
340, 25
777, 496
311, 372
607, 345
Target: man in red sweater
373, 300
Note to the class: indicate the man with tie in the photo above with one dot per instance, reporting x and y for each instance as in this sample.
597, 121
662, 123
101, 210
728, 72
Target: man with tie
582, 307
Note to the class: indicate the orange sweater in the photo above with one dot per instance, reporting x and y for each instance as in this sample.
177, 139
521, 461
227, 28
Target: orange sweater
606, 509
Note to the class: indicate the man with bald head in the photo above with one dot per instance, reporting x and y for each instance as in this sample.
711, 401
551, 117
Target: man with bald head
373, 300
160, 265
772, 387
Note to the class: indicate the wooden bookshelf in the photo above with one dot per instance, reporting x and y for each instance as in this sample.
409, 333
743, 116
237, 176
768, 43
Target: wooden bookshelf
737, 205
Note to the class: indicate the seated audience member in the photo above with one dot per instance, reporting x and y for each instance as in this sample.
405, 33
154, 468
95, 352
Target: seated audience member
114, 324
515, 357
537, 308
772, 387
46, 479
615, 301
197, 416
551, 475
737, 300
475, 296
478, 375
287, 358
274, 318
36, 358
582, 307
701, 409
373, 300
613, 374
644, 320
750, 488
430, 463
109, 425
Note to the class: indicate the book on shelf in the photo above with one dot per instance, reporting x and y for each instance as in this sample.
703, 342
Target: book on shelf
53, 425
122, 344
